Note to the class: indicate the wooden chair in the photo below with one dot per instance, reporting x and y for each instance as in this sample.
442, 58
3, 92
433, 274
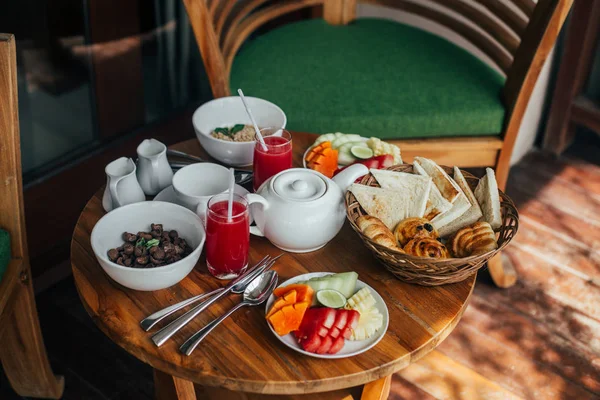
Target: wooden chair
570, 105
516, 37
22, 348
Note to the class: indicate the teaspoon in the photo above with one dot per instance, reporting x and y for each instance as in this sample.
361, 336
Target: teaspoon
257, 292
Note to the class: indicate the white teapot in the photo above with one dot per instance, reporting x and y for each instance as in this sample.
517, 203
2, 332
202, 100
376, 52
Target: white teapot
300, 209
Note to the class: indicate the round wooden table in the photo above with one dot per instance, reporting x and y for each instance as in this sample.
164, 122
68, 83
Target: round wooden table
242, 354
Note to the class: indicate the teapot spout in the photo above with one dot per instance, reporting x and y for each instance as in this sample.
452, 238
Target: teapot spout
349, 175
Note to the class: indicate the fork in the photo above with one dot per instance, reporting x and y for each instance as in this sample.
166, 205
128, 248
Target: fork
160, 337
153, 319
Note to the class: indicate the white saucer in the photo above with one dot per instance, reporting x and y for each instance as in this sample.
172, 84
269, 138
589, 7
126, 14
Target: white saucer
168, 195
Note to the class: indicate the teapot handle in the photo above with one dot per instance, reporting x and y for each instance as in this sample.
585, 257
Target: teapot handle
252, 198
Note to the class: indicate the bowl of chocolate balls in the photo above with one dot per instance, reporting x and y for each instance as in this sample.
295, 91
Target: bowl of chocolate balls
149, 245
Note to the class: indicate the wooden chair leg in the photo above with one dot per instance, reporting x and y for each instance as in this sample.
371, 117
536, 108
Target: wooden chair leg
23, 353
502, 271
377, 390
167, 387
501, 268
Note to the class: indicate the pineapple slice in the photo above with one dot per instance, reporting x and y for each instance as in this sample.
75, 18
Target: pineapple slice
368, 324
362, 301
371, 320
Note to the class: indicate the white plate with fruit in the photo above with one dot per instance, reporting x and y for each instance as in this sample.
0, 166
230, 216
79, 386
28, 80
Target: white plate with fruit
327, 315
332, 152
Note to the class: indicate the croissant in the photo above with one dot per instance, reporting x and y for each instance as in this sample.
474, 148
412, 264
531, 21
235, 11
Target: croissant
376, 230
474, 239
423, 246
410, 228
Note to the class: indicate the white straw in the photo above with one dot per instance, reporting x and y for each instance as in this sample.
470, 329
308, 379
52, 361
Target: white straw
258, 135
231, 191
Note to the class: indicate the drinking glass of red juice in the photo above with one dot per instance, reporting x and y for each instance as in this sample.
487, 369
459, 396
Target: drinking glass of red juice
227, 241
277, 158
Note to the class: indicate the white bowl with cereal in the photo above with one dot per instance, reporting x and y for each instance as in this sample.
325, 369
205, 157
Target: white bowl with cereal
224, 128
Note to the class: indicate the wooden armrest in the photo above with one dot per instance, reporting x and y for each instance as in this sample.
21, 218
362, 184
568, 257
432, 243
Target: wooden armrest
9, 281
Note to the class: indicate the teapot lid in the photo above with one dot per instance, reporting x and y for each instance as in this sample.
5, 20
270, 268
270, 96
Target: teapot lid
299, 184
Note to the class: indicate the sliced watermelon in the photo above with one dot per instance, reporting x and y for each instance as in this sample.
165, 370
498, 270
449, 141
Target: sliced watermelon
337, 345
326, 343
334, 332
324, 329
347, 333
312, 344
353, 317
341, 319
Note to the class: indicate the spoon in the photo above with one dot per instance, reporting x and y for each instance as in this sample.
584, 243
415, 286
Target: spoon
181, 154
160, 337
257, 292
149, 322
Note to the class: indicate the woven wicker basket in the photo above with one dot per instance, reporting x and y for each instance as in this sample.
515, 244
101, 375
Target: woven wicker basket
427, 271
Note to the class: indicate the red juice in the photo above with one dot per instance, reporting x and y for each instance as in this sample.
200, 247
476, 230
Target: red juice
227, 242
276, 159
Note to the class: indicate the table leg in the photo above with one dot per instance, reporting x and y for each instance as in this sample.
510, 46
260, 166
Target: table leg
168, 387
377, 390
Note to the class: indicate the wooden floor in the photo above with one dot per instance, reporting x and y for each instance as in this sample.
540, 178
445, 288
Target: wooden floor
537, 340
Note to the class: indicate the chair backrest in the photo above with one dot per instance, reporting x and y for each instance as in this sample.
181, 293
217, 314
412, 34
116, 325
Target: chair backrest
222, 26
12, 216
516, 35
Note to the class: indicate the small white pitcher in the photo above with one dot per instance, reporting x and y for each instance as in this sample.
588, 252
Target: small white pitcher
153, 171
122, 187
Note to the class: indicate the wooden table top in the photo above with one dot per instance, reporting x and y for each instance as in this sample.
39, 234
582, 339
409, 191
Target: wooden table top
242, 354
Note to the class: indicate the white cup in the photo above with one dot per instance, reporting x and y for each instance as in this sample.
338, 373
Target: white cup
195, 184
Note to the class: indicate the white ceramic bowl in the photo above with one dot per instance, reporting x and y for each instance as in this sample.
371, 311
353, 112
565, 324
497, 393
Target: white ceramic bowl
226, 112
137, 217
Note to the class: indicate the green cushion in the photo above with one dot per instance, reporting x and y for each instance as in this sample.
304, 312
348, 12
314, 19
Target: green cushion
372, 77
4, 251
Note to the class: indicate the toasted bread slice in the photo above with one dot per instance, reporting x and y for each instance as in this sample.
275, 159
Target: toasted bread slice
437, 204
392, 206
472, 215
448, 188
488, 197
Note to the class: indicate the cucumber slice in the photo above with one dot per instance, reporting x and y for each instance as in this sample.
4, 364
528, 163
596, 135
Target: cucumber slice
344, 139
349, 145
361, 152
328, 137
345, 157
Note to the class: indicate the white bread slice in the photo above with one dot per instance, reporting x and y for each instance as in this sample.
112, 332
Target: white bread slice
437, 204
448, 188
459, 207
396, 180
392, 206
488, 197
472, 215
